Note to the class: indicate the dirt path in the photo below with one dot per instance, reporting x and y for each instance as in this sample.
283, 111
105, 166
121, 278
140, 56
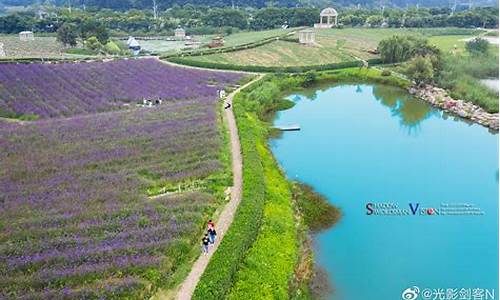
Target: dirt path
226, 217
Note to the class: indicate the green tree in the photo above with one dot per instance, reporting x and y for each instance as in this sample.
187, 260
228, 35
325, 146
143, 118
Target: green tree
375, 21
477, 46
399, 48
303, 17
395, 49
225, 17
420, 69
90, 27
271, 17
67, 34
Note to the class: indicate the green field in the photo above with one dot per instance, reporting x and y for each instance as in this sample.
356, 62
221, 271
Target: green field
235, 39
334, 45
40, 47
246, 37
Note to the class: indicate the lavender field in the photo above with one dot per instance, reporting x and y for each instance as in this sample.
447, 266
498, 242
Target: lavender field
75, 221
53, 90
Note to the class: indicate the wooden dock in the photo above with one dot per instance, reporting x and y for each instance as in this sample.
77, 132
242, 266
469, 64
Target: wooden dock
288, 127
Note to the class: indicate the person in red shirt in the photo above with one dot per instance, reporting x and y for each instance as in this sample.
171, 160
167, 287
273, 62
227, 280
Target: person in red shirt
211, 224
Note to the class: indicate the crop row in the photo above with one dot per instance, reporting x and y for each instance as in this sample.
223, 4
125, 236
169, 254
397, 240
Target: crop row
68, 89
74, 219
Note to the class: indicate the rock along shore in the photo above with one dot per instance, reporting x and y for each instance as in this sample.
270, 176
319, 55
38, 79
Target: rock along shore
438, 97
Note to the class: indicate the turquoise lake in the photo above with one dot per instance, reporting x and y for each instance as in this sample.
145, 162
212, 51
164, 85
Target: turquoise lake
363, 144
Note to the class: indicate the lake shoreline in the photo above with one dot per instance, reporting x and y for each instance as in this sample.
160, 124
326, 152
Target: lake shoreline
439, 98
417, 126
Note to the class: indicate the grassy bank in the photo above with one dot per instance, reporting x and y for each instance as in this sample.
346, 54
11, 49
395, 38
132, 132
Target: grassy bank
264, 250
269, 264
461, 75
192, 61
219, 274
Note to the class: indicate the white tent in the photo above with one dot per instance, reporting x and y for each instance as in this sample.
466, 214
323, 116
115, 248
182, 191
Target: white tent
133, 45
132, 42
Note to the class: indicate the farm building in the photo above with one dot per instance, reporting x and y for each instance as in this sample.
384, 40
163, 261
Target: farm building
216, 42
26, 36
327, 18
180, 33
2, 51
307, 37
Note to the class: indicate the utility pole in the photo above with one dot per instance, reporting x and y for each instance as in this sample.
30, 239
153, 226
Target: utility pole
155, 10
453, 8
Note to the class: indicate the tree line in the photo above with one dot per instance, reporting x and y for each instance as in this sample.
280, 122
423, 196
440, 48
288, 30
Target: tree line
203, 19
164, 4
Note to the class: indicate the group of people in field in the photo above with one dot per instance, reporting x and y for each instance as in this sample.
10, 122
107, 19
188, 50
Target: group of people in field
209, 237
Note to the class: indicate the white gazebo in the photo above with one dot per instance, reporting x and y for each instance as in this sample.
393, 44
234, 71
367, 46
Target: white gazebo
26, 36
2, 51
180, 33
327, 18
307, 37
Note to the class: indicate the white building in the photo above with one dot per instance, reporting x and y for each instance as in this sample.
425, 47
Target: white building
180, 33
26, 36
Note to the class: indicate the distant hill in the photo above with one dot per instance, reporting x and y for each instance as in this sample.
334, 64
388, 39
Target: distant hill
164, 4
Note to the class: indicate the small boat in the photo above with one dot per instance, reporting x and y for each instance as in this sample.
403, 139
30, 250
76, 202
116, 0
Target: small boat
288, 127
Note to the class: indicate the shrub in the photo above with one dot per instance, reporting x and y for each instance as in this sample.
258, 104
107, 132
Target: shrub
477, 46
310, 78
93, 43
112, 48
385, 72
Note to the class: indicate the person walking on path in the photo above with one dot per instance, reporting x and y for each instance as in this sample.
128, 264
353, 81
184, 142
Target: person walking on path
212, 234
211, 224
204, 241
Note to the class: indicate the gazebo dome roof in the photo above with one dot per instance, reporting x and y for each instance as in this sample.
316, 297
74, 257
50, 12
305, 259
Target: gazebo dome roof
329, 11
